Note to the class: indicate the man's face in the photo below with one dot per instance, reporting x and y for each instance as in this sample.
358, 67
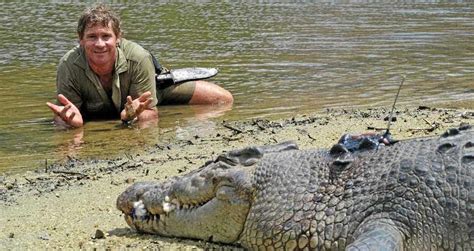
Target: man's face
99, 43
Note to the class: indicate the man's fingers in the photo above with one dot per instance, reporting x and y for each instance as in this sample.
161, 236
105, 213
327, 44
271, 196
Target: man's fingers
56, 109
140, 108
129, 100
71, 117
63, 112
134, 107
145, 96
63, 100
147, 103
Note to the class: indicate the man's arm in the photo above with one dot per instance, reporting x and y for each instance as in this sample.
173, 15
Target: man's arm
139, 109
143, 86
66, 112
67, 115
148, 118
148, 114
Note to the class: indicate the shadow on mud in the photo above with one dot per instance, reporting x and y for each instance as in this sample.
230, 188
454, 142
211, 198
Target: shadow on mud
164, 242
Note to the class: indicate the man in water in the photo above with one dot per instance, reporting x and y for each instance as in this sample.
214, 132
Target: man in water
107, 76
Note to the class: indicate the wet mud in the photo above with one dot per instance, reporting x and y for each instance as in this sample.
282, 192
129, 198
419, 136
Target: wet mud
71, 204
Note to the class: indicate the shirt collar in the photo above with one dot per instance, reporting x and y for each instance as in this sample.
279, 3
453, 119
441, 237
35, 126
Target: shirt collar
81, 60
120, 60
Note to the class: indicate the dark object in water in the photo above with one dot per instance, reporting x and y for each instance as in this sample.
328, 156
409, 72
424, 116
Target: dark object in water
176, 76
165, 77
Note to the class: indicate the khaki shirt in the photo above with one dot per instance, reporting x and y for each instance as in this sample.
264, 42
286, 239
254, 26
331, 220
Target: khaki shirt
134, 74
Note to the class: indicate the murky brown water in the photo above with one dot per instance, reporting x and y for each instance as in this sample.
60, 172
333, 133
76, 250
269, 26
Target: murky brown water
277, 59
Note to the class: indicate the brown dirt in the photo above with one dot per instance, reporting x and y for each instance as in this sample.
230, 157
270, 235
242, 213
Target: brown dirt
72, 205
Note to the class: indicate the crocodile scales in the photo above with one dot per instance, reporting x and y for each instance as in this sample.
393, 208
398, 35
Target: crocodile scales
412, 195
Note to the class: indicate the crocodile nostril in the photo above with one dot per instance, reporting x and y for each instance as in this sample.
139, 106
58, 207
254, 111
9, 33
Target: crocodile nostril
443, 148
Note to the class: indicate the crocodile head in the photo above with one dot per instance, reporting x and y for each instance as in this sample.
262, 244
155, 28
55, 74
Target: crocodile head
194, 205
210, 203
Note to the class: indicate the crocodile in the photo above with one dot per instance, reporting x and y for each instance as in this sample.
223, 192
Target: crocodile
415, 194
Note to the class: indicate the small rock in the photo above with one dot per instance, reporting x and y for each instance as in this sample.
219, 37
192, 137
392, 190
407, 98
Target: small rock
423, 107
394, 119
130, 180
467, 115
51, 187
44, 236
11, 235
115, 183
99, 234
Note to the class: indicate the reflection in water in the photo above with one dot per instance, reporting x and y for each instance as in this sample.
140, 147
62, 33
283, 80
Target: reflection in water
110, 138
277, 59
202, 123
204, 112
70, 148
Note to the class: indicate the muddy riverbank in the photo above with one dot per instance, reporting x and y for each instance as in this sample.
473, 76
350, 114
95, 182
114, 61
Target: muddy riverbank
71, 205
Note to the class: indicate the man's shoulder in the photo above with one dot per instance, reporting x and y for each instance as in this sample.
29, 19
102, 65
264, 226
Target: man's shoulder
72, 55
133, 51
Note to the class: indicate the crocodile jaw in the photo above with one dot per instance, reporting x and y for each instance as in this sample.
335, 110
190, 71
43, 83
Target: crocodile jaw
207, 204
193, 223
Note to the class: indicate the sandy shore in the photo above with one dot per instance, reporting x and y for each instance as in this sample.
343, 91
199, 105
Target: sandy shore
72, 205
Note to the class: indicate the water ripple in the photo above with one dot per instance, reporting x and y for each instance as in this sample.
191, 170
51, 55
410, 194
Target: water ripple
277, 59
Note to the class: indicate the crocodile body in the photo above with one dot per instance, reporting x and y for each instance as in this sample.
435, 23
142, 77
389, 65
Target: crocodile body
413, 195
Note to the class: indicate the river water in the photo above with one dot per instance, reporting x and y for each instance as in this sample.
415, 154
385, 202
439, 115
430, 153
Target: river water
278, 59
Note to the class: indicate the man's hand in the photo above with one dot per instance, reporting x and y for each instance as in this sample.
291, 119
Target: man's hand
68, 114
138, 108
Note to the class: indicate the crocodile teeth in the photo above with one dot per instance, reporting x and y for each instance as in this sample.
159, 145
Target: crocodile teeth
176, 203
168, 207
139, 209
